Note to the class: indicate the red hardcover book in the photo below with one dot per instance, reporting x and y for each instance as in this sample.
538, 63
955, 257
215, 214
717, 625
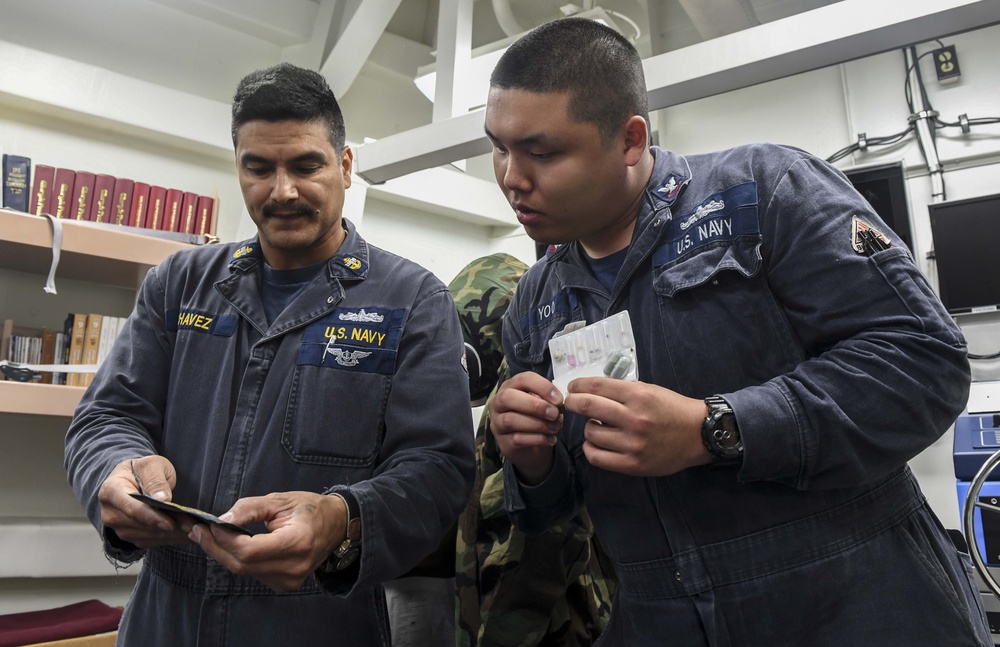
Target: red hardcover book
172, 210
137, 212
189, 213
100, 205
154, 212
62, 193
121, 201
41, 189
206, 215
83, 189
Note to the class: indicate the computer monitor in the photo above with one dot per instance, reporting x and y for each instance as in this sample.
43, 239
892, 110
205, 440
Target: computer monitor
966, 237
884, 187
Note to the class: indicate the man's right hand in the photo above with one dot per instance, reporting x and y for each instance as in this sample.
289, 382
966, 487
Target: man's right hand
525, 417
134, 521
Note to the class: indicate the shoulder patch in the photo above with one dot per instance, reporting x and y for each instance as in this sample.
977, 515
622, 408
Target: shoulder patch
867, 240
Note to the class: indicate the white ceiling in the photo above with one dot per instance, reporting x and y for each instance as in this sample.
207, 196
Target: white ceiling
371, 51
203, 47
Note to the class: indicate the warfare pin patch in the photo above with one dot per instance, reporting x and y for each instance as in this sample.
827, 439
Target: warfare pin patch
867, 240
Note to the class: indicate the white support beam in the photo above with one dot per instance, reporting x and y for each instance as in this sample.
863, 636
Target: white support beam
451, 193
356, 42
454, 54
421, 148
310, 53
811, 40
284, 23
714, 18
808, 41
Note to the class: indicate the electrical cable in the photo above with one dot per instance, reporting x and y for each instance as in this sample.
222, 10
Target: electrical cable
965, 123
993, 356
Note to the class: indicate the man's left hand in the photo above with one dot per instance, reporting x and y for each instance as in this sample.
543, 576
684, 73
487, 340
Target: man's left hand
637, 428
304, 529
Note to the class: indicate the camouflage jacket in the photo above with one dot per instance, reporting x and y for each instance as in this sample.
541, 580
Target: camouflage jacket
550, 588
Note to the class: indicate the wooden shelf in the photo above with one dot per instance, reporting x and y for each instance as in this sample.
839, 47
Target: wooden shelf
89, 252
39, 399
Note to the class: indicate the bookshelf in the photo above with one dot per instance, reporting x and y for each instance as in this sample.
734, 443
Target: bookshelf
44, 535
97, 254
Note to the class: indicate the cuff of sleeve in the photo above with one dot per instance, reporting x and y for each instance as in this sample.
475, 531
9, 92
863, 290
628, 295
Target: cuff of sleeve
120, 552
773, 445
546, 493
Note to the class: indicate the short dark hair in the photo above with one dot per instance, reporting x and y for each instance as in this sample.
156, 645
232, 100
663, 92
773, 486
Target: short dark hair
598, 66
286, 91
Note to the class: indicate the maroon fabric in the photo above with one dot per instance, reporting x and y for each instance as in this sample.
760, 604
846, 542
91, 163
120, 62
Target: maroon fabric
72, 621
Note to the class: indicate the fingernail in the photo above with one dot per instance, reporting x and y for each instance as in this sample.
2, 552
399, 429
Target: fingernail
555, 396
551, 413
164, 525
195, 535
159, 496
227, 517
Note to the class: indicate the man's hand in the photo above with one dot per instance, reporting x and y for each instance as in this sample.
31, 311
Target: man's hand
132, 520
305, 528
525, 418
637, 428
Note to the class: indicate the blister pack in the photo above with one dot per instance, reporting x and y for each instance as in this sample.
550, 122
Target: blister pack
602, 349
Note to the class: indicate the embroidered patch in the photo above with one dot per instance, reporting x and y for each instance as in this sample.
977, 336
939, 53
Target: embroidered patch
203, 322
720, 218
560, 307
243, 251
364, 339
867, 240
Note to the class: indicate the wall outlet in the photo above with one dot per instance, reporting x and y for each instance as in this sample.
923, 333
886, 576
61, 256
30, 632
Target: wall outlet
946, 63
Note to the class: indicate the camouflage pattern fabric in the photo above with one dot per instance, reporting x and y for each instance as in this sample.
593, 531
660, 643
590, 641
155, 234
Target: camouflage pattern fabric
482, 292
547, 589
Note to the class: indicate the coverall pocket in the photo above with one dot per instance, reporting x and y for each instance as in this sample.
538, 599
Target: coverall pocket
324, 428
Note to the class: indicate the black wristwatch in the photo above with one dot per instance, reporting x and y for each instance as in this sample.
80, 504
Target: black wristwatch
721, 435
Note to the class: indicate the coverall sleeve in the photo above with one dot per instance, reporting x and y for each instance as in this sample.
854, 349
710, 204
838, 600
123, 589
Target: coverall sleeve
560, 496
121, 414
886, 370
427, 459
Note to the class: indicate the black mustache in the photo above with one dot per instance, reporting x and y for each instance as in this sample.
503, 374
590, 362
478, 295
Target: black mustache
299, 209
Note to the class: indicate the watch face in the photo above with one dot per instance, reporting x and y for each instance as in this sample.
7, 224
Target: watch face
720, 433
348, 558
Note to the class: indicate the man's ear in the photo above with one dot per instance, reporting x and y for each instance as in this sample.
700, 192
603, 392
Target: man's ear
347, 164
636, 139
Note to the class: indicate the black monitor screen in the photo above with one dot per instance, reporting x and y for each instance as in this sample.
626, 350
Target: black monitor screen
967, 253
884, 187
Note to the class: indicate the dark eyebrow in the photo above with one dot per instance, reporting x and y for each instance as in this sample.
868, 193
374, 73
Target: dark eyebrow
530, 140
311, 156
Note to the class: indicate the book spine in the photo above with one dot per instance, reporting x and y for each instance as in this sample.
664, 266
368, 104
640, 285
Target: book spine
16, 182
121, 200
91, 345
76, 347
83, 191
100, 207
172, 210
48, 352
62, 193
41, 189
154, 212
206, 216
189, 213
137, 212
